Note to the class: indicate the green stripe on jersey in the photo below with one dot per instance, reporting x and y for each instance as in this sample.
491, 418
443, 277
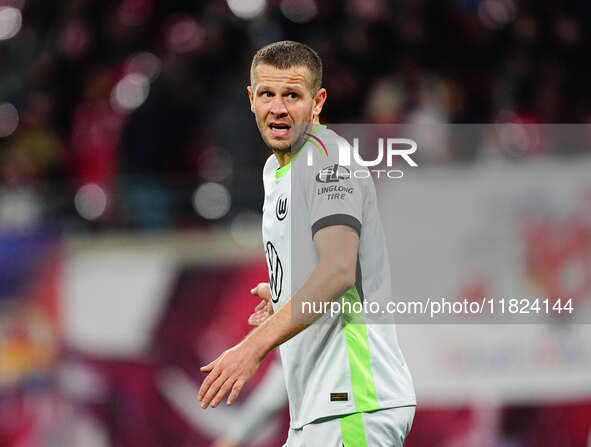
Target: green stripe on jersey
352, 430
364, 389
283, 170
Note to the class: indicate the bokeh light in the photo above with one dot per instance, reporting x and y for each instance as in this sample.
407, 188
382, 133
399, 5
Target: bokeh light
247, 9
134, 12
496, 14
212, 201
145, 63
11, 21
215, 164
90, 201
184, 34
299, 11
130, 92
8, 119
20, 208
515, 139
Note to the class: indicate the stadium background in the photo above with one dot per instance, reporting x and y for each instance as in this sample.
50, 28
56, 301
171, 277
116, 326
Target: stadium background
130, 198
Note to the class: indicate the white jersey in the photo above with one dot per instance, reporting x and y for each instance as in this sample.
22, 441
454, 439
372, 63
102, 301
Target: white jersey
335, 366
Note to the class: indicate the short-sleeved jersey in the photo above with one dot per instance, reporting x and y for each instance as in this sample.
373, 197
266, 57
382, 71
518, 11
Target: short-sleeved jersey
335, 366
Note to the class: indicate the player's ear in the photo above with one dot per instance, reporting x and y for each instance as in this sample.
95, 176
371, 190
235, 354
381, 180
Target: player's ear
251, 98
319, 99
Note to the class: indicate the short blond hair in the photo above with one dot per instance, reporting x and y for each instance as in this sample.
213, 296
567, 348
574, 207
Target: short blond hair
286, 54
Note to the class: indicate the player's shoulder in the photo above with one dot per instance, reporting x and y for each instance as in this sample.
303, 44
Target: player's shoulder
271, 165
324, 148
320, 147
324, 143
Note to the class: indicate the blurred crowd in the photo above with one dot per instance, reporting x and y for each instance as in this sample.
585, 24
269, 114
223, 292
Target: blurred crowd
115, 112
133, 114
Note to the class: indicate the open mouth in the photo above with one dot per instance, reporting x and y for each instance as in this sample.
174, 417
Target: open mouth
279, 129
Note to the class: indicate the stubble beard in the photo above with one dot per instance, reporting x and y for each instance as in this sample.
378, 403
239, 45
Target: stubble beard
297, 137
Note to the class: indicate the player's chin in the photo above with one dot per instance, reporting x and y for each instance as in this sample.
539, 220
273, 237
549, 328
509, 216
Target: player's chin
278, 144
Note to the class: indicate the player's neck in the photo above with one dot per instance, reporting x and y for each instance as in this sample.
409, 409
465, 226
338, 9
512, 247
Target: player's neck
285, 157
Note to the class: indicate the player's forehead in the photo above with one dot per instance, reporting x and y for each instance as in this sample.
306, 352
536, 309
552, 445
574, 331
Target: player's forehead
270, 76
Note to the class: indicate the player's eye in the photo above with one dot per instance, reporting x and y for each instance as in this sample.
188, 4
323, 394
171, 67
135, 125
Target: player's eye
292, 95
266, 94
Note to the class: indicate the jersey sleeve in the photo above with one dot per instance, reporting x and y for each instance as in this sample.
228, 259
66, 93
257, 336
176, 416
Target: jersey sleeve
335, 195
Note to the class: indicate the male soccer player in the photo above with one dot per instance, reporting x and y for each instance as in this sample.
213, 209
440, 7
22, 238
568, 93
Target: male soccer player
347, 381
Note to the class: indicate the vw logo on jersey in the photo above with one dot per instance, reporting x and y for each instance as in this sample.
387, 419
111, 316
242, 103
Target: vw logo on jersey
275, 272
332, 174
281, 207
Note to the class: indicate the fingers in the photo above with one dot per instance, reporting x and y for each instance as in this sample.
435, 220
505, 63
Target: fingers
254, 319
235, 391
255, 289
213, 375
261, 306
212, 390
208, 367
258, 317
263, 311
224, 389
262, 290
230, 372
224, 443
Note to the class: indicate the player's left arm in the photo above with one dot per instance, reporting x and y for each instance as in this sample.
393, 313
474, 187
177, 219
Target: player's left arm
337, 247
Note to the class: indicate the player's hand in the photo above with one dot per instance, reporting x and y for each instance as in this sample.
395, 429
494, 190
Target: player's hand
264, 309
228, 374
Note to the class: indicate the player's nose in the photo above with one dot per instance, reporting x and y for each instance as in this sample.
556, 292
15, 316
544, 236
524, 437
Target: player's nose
278, 106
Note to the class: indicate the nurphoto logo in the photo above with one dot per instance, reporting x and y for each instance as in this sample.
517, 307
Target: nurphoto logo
394, 147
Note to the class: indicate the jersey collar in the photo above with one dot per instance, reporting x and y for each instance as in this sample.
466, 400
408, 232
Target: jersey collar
282, 171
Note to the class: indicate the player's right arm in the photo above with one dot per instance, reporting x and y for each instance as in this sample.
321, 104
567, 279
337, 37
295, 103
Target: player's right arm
337, 248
